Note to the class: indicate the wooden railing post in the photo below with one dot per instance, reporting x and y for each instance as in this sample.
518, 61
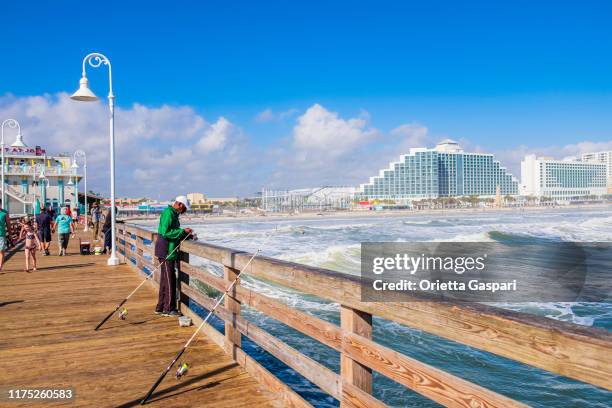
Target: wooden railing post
183, 279
232, 335
139, 251
352, 372
154, 260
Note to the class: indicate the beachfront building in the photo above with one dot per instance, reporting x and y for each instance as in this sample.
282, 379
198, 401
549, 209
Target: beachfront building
32, 175
444, 171
605, 158
304, 199
199, 203
562, 180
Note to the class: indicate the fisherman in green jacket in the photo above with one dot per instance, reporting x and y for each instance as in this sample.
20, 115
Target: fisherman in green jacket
169, 235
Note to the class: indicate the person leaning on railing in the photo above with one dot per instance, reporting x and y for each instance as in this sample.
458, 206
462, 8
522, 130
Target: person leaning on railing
169, 236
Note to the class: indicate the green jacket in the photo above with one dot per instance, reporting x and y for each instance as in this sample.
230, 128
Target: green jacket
169, 234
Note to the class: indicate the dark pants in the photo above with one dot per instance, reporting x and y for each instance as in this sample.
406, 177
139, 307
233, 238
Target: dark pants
167, 286
63, 240
108, 239
44, 235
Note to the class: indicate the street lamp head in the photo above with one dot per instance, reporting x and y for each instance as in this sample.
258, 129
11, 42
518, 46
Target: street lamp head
74, 165
84, 93
19, 141
70, 183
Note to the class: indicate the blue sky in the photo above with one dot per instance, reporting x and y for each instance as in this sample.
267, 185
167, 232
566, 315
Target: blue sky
498, 76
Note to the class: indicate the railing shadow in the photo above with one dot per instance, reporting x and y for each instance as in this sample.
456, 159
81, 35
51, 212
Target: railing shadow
167, 392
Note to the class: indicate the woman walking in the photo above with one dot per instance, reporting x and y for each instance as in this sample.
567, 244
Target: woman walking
64, 227
31, 243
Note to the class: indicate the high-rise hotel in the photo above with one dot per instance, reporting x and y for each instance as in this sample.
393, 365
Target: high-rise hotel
562, 180
604, 158
444, 171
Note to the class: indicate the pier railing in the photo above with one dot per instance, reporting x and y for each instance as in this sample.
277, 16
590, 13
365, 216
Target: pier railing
577, 352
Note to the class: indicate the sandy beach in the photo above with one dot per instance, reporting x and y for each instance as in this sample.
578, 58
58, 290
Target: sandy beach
251, 216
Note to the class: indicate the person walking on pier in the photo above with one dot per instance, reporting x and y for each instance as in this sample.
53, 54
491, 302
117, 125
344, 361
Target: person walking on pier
169, 235
5, 227
63, 226
31, 243
95, 220
44, 221
106, 229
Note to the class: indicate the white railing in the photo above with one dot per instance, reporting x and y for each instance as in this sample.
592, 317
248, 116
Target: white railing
19, 195
31, 170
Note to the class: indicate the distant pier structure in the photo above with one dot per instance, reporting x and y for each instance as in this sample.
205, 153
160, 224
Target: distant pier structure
307, 199
31, 174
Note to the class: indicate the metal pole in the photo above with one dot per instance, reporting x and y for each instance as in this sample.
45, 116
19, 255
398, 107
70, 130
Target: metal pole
12, 123
113, 260
86, 203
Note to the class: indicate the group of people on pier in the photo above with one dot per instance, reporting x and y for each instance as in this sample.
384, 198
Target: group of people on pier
36, 232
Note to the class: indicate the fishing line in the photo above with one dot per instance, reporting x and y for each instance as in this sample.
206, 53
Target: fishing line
182, 370
124, 312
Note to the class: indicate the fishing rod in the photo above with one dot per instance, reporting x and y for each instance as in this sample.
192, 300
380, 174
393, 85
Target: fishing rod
123, 313
183, 367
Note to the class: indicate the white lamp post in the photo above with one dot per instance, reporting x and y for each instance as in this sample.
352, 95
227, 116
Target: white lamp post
44, 182
75, 165
12, 123
71, 184
85, 94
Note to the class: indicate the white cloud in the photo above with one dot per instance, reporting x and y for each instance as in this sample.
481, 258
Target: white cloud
166, 150
159, 149
215, 137
268, 115
265, 115
321, 132
412, 135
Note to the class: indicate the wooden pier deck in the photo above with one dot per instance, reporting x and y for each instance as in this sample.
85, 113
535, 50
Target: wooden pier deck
47, 340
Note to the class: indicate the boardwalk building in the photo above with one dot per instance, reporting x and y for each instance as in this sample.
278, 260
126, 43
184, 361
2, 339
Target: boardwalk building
31, 174
445, 171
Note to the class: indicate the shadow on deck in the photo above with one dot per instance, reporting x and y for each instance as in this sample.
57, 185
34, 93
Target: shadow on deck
47, 319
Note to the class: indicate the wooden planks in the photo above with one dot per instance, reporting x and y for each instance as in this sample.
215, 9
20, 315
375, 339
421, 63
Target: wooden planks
315, 372
435, 384
318, 329
353, 371
47, 319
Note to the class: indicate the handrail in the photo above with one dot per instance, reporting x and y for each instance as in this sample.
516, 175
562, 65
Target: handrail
578, 352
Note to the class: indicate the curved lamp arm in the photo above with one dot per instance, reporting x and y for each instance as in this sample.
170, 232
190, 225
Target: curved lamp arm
12, 123
80, 153
95, 59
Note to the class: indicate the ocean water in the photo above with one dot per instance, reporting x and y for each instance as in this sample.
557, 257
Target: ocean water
334, 243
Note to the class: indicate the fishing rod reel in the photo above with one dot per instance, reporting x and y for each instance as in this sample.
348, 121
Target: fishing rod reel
182, 370
123, 313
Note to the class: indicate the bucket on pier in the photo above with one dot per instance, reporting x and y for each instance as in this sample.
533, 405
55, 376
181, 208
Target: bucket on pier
84, 247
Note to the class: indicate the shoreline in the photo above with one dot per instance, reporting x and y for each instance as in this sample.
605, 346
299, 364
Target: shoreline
368, 214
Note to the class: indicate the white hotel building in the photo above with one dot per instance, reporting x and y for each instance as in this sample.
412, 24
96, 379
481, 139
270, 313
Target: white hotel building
601, 157
32, 175
562, 180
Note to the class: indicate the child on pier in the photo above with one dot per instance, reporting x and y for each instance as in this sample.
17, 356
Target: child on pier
31, 243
